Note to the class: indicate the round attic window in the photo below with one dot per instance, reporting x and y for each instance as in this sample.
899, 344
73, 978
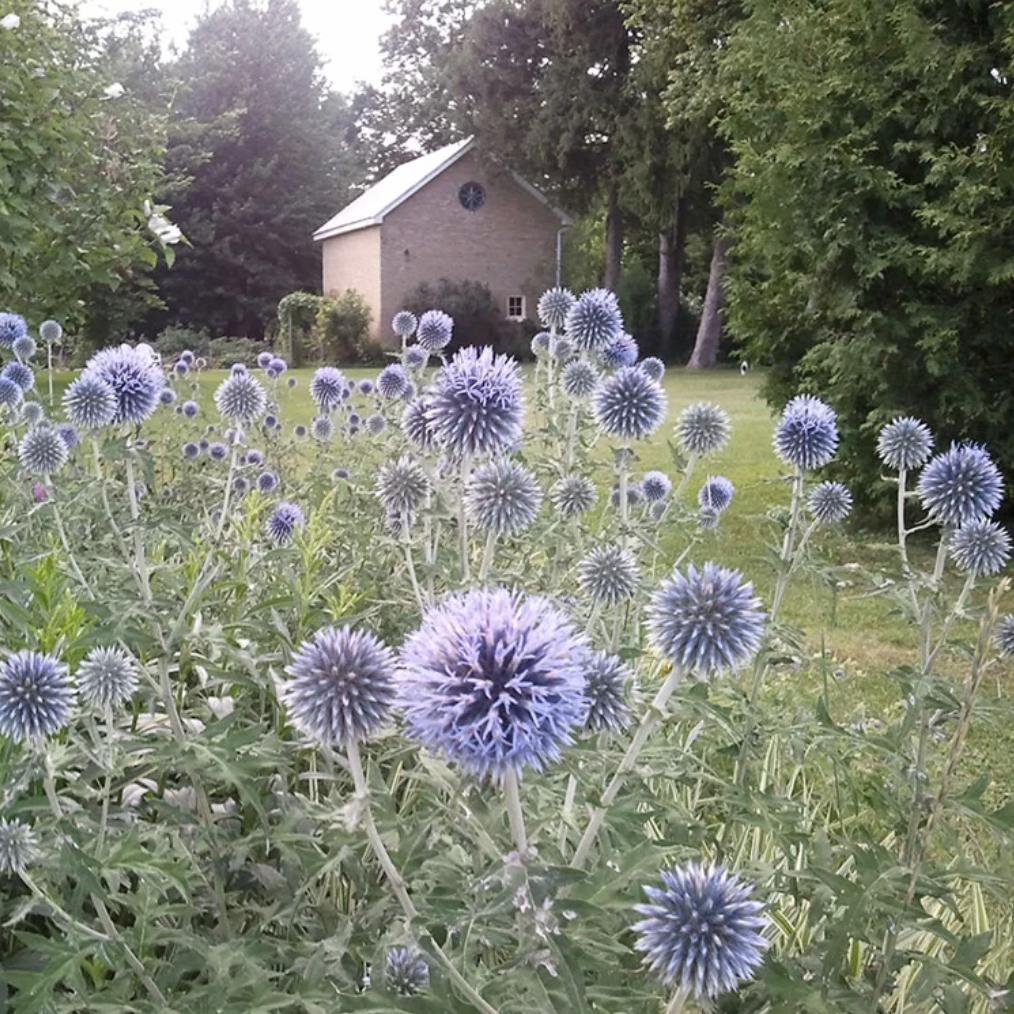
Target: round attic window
472, 196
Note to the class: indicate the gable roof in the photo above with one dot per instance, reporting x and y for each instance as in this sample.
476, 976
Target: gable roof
371, 207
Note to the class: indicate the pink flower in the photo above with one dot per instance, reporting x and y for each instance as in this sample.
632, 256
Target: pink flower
39, 493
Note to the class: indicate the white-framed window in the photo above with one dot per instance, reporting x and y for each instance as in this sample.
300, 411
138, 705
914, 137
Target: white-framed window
516, 307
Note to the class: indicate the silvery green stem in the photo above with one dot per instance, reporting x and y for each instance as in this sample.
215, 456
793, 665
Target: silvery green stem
687, 472
140, 563
512, 797
568, 809
902, 531
100, 475
571, 434
61, 531
407, 543
62, 914
49, 370
233, 455
788, 542
488, 555
463, 521
678, 1000
132, 959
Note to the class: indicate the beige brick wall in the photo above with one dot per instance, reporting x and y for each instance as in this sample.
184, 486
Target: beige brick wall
352, 261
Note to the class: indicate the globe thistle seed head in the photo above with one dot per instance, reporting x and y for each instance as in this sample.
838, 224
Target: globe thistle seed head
24, 347
573, 496
702, 429
107, 676
167, 396
264, 359
322, 428
605, 691
12, 327
241, 398
434, 330
579, 379
806, 436
35, 696
960, 485
541, 345
620, 352
705, 620
32, 413
392, 381
50, 331
905, 443
267, 482
18, 847
404, 324
1003, 636
629, 405
341, 687
494, 680
829, 502
416, 356
375, 424
237, 369
42, 451
594, 320
68, 435
402, 486
279, 365
191, 409
327, 388
341, 473
22, 375
609, 574
702, 930
716, 493
285, 520
10, 393
416, 426
503, 497
407, 972
191, 450
218, 450
980, 548
254, 457
554, 305
135, 377
654, 367
561, 349
476, 406
656, 486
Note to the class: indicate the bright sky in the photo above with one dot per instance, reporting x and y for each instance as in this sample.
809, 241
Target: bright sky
348, 31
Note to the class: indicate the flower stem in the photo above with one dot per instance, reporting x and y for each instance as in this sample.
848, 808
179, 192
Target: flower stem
233, 455
678, 1000
61, 531
463, 521
788, 543
488, 555
512, 797
140, 562
568, 809
407, 543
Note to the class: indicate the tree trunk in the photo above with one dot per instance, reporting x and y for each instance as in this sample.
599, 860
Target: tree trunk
671, 247
614, 240
710, 331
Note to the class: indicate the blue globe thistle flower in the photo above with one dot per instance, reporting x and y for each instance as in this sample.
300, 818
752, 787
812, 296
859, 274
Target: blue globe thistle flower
167, 396
270, 421
657, 510
701, 932
416, 356
716, 493
50, 331
267, 482
18, 847
406, 972
654, 367
285, 520
561, 349
376, 424
355, 419
494, 680
341, 473
135, 377
1003, 636
579, 379
90, 402
12, 327
264, 359
573, 496
656, 486
980, 548
32, 413
181, 368
272, 373
24, 347
416, 426
392, 381
960, 485
806, 436
107, 676
35, 696
42, 451
10, 393
322, 428
186, 356
605, 691
218, 450
705, 620
905, 443
300, 431
191, 409
434, 330
594, 320
237, 369
204, 444
240, 485
202, 363
404, 323
254, 457
327, 388
554, 305
635, 494
541, 344
829, 502
620, 352
702, 429
342, 686
191, 450
21, 374
291, 382
68, 435
609, 574
365, 386
476, 406
629, 404
279, 365
178, 410
241, 398
402, 486
503, 497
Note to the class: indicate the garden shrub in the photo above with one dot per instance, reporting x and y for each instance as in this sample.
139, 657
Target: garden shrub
341, 329
174, 340
478, 320
225, 351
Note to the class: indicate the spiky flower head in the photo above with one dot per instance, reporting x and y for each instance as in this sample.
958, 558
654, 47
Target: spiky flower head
629, 404
960, 485
402, 486
285, 520
554, 305
656, 486
267, 482
322, 428
654, 367
829, 502
905, 443
495, 680
542, 344
635, 494
579, 379
328, 387
42, 451
17, 847
608, 574
237, 368
702, 931
32, 413
68, 435
218, 450
476, 407
25, 347
806, 436
241, 398
434, 330
167, 396
702, 429
392, 381
406, 972
621, 351
12, 327
22, 375
191, 450
107, 676
35, 696
416, 426
416, 356
502, 497
716, 493
241, 485
264, 359
254, 456
300, 431
50, 331
705, 620
980, 548
561, 348
376, 424
90, 402
1003, 636
135, 377
708, 518
340, 473
573, 495
191, 409
605, 691
10, 393
341, 687
278, 366
180, 368
594, 320
404, 323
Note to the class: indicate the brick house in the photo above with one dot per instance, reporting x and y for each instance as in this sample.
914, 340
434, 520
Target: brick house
444, 215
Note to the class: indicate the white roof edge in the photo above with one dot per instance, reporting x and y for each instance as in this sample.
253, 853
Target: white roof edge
464, 147
363, 223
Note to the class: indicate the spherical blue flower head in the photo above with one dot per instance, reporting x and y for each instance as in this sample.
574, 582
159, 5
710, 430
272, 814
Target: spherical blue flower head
1003, 636
629, 404
554, 305
355, 420
35, 696
167, 396
218, 450
701, 932
327, 388
365, 386
657, 510
654, 367
135, 377
476, 406
201, 363
203, 444
376, 424
25, 347
181, 368
50, 331
267, 482
605, 691
434, 330
579, 379
635, 494
829, 502
241, 398
264, 359
495, 680
702, 429
561, 349
68, 435
90, 402
960, 485
107, 676
980, 548
285, 520
656, 486
573, 496
10, 393
17, 847
301, 431
406, 972
291, 382
342, 686
416, 426
270, 421
620, 352
541, 345
272, 373
21, 374
240, 485
416, 356
806, 436
705, 620
716, 493
322, 428
402, 486
609, 574
905, 443
340, 473
254, 457
392, 381
12, 327
404, 324
279, 365
236, 369
191, 409
502, 497
594, 320
191, 450
42, 451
